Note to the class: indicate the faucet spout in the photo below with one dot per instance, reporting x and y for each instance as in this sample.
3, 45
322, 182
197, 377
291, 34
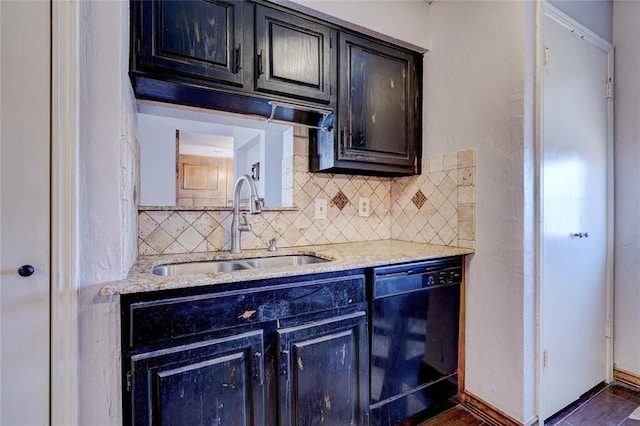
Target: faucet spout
240, 224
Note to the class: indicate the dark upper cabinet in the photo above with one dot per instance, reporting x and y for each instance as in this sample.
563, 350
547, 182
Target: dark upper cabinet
293, 55
378, 127
219, 381
324, 370
203, 38
242, 56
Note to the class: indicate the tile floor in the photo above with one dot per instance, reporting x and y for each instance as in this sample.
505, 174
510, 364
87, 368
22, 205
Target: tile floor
612, 405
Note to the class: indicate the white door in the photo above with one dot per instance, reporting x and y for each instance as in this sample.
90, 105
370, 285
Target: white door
573, 258
24, 211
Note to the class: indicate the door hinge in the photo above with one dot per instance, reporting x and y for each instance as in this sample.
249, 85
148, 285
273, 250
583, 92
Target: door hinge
128, 381
546, 57
609, 89
545, 358
607, 329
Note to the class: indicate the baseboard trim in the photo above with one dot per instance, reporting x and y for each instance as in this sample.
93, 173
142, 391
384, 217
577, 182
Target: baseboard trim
487, 411
626, 377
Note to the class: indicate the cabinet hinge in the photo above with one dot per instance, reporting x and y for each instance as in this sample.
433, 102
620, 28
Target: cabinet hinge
609, 89
607, 329
138, 45
545, 358
546, 57
128, 381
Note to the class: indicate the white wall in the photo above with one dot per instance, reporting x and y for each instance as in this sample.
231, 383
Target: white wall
593, 14
475, 98
272, 169
401, 19
157, 161
108, 174
626, 33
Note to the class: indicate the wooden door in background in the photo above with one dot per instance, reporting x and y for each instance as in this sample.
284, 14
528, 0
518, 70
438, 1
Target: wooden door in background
204, 181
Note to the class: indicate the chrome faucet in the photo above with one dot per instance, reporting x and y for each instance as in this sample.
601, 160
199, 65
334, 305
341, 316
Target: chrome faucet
240, 223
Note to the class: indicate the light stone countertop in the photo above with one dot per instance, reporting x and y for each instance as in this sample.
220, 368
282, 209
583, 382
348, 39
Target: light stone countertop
343, 257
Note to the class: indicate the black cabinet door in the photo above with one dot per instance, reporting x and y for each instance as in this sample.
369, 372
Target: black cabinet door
293, 55
216, 382
379, 104
324, 372
202, 38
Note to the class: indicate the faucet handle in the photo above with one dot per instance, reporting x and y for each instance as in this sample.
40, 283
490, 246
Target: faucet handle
272, 245
244, 223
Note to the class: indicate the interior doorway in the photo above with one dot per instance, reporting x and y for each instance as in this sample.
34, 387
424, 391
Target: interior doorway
575, 211
25, 213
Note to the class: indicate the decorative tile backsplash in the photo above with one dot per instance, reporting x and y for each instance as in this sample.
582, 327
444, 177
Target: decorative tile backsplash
436, 207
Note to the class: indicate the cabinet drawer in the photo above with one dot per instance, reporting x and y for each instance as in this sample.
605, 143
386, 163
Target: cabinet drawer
156, 321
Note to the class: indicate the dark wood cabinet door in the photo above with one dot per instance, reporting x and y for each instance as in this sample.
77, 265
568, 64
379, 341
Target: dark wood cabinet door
324, 372
293, 55
202, 38
216, 382
379, 104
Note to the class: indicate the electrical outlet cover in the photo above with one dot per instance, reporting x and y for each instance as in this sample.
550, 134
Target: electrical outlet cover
364, 207
320, 211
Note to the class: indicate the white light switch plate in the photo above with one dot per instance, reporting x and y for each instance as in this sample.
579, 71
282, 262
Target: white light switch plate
320, 211
364, 208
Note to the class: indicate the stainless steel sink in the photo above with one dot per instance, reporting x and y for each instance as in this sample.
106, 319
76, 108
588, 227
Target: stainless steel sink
198, 268
235, 265
279, 261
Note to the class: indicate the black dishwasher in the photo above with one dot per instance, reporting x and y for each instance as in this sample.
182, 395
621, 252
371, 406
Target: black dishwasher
415, 310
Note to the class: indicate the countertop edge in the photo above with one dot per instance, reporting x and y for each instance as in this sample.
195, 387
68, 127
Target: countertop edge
342, 256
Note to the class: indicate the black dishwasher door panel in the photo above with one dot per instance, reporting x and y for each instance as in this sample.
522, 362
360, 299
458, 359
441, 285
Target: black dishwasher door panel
414, 340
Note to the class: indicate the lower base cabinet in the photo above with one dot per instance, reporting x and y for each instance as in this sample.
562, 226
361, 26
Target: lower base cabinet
295, 351
216, 382
324, 372
295, 354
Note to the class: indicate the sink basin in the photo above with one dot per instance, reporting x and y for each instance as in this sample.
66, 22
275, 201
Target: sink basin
235, 265
279, 261
198, 268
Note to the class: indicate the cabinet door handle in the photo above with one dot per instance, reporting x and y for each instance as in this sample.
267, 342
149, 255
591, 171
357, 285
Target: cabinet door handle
259, 61
258, 371
343, 140
238, 65
284, 363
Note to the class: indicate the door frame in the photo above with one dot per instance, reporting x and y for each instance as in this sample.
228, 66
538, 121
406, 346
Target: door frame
63, 392
544, 8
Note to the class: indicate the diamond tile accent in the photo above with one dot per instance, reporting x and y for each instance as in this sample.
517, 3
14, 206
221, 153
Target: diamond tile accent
340, 200
419, 199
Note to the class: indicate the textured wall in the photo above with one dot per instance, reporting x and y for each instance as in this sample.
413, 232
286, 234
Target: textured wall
593, 14
626, 33
108, 176
475, 98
